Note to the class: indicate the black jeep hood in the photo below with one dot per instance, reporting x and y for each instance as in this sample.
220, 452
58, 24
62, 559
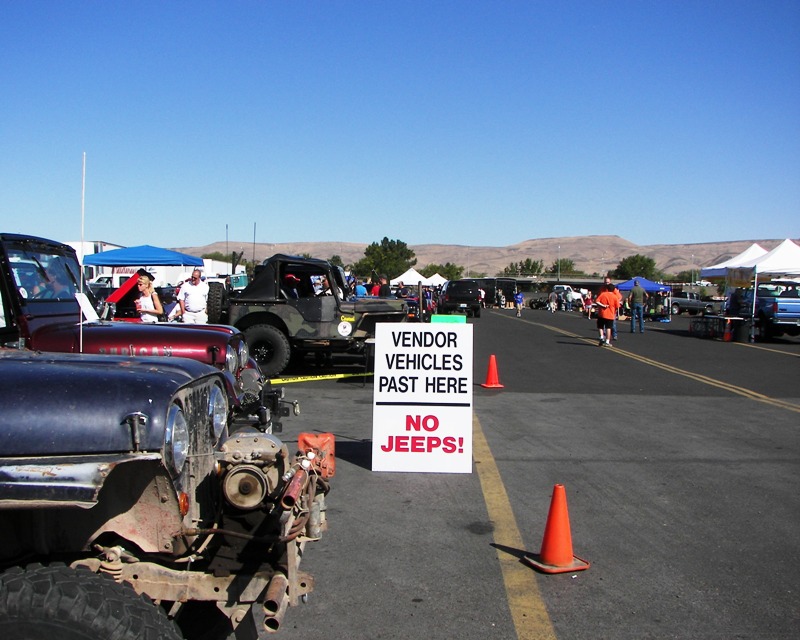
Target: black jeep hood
62, 404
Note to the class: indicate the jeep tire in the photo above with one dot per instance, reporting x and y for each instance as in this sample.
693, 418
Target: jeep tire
215, 303
42, 603
269, 347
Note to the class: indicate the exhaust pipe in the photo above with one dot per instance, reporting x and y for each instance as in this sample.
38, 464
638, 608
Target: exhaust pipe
295, 488
276, 601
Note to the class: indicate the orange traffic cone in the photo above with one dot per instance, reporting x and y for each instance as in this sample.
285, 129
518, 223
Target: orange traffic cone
492, 381
728, 335
556, 554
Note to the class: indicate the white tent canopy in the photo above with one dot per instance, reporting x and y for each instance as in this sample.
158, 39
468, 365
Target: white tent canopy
719, 270
437, 280
411, 277
782, 260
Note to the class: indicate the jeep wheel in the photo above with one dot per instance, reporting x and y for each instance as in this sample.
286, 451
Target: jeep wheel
215, 302
676, 310
269, 347
42, 603
476, 312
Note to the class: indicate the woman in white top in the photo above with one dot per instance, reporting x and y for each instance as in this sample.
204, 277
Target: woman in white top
147, 304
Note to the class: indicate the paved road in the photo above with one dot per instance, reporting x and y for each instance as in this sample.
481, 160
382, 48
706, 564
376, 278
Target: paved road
680, 458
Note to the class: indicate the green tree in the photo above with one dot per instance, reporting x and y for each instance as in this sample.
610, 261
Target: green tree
391, 257
336, 261
449, 270
564, 266
636, 265
525, 267
683, 276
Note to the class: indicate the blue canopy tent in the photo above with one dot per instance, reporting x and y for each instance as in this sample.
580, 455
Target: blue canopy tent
647, 285
144, 255
657, 309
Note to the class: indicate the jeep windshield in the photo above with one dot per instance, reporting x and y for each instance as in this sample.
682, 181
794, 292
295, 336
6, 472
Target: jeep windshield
41, 274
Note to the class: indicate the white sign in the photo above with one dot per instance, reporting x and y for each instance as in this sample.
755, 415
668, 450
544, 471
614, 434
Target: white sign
422, 411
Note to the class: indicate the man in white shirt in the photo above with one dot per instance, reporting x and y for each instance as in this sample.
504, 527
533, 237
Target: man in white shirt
193, 298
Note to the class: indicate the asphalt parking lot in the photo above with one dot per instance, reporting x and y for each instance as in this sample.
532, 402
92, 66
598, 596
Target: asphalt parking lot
679, 457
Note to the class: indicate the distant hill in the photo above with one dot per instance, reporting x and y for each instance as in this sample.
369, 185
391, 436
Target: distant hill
591, 254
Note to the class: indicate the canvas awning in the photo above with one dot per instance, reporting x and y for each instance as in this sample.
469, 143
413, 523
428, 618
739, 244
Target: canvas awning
141, 256
720, 269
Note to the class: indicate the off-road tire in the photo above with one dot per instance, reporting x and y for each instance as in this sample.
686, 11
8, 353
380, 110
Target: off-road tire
56, 602
269, 347
476, 312
215, 303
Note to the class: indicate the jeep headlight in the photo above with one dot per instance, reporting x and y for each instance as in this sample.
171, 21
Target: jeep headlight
244, 354
217, 410
176, 442
231, 359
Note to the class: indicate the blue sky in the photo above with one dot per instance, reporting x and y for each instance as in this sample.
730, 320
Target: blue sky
474, 123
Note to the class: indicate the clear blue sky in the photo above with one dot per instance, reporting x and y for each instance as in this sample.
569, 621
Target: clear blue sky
455, 122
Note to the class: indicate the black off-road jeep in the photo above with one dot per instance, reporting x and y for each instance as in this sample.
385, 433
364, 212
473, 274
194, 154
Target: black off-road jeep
288, 309
131, 511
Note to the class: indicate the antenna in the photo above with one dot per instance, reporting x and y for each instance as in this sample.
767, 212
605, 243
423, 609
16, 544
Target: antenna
83, 217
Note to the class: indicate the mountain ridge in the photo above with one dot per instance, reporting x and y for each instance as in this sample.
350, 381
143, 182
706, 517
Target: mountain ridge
590, 254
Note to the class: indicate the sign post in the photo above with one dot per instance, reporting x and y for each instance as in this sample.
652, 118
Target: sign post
422, 411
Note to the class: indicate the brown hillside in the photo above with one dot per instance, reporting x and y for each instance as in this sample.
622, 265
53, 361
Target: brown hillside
590, 254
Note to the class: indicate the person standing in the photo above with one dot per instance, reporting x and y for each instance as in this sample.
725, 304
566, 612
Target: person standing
193, 299
360, 290
607, 283
519, 299
148, 304
385, 290
638, 298
552, 301
607, 304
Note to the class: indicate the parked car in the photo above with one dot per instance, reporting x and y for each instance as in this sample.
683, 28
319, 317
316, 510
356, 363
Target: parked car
34, 315
688, 301
131, 507
460, 296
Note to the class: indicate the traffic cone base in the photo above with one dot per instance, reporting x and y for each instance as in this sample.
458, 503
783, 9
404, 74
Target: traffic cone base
535, 560
556, 554
492, 379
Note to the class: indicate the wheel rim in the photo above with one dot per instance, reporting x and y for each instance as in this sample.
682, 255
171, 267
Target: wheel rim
262, 352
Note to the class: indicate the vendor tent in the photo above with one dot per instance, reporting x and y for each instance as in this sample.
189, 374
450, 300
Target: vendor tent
647, 285
782, 260
437, 280
719, 270
144, 255
410, 277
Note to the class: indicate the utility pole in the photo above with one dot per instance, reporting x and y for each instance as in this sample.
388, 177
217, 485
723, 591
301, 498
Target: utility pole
558, 263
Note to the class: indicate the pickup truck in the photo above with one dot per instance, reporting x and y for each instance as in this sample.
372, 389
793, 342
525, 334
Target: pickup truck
777, 309
691, 302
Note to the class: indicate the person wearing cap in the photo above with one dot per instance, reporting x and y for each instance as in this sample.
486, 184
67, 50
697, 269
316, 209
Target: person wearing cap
637, 299
607, 304
291, 281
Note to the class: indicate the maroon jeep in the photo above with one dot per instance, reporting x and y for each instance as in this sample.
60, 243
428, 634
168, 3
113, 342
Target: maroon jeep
46, 306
